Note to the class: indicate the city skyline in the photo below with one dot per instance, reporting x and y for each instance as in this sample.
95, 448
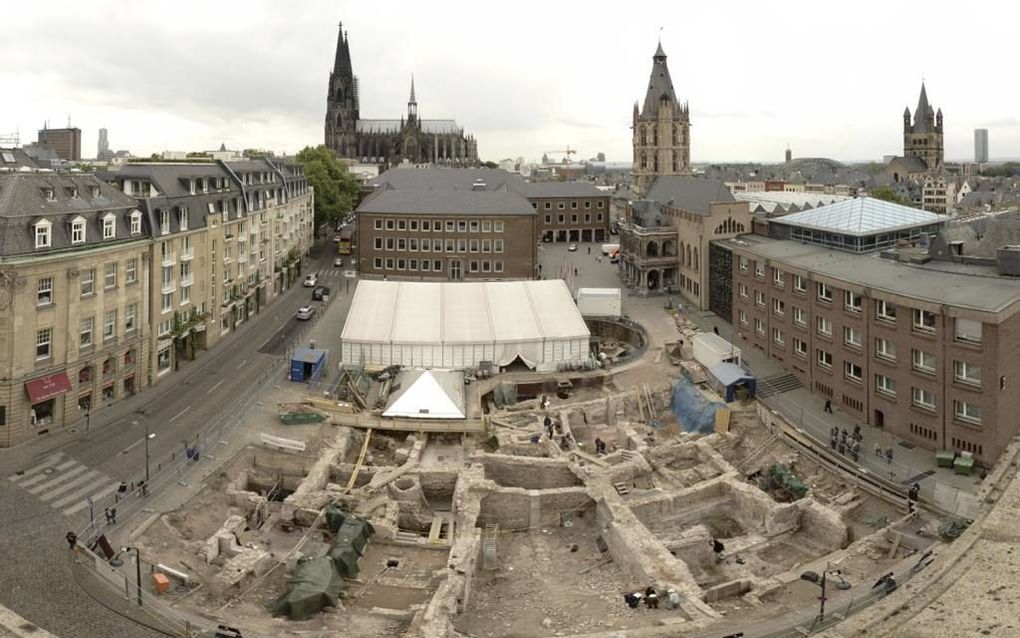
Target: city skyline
566, 76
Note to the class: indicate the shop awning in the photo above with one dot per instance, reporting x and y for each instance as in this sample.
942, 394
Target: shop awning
48, 387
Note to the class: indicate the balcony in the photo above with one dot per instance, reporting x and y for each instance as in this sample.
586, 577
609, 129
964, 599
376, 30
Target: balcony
168, 287
188, 255
169, 259
187, 280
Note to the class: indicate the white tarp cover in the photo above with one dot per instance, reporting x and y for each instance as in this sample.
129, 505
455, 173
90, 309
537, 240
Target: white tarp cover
458, 324
428, 394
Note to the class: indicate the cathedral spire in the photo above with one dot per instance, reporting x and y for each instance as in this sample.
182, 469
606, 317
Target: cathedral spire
411, 100
342, 59
412, 104
660, 86
923, 113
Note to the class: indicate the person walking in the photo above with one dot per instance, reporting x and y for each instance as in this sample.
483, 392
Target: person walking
589, 250
72, 539
833, 435
828, 406
575, 272
857, 433
888, 455
855, 451
878, 450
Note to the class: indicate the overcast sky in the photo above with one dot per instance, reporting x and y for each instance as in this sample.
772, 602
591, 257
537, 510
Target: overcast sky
523, 77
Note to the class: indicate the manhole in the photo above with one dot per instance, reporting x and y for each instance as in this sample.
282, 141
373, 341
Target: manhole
392, 563
72, 429
49, 470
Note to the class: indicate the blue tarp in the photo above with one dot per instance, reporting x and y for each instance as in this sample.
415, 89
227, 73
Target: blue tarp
727, 377
306, 363
693, 411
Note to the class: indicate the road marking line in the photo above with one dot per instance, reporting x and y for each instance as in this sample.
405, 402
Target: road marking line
177, 416
84, 478
53, 460
59, 479
218, 384
67, 500
95, 498
241, 364
42, 476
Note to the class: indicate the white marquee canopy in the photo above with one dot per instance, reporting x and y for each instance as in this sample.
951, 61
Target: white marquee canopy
456, 325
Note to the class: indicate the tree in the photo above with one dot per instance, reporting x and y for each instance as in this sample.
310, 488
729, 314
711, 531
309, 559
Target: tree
887, 194
335, 188
490, 164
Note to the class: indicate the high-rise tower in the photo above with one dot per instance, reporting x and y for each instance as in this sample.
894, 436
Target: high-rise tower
662, 143
342, 101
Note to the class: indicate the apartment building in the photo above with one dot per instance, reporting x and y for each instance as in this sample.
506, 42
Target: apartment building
569, 211
927, 349
74, 262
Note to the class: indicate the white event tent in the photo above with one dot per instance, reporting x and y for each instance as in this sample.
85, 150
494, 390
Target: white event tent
456, 325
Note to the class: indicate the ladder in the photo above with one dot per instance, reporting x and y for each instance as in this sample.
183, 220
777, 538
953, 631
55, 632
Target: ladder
361, 459
653, 419
622, 488
489, 537
742, 464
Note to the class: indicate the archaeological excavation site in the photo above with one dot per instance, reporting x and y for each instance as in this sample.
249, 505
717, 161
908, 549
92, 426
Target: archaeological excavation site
631, 499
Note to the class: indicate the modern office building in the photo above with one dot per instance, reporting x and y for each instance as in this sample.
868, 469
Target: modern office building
65, 142
980, 145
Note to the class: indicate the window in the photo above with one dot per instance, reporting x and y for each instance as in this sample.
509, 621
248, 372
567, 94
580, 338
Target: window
885, 311
777, 277
130, 317
852, 371
461, 226
389, 263
163, 357
885, 349
852, 301
824, 359
921, 398
401, 224
473, 225
824, 293
968, 331
487, 225
109, 226
486, 245
165, 327
742, 263
109, 324
779, 307
462, 245
378, 224
412, 224
390, 224
967, 373
87, 328
43, 342
391, 243
885, 385
473, 245
182, 218
426, 265
401, 243
967, 412
777, 336
924, 321
426, 225
44, 291
922, 361
136, 222
799, 316
42, 234
759, 270
378, 243
498, 227
167, 303
426, 244
88, 281
759, 327
110, 275
473, 266
449, 245
412, 244
377, 263
799, 284
742, 288
759, 298
824, 327
164, 222
800, 348
412, 264
401, 264
743, 318
560, 205
78, 231
437, 265
498, 243
451, 225
852, 337
186, 290
131, 271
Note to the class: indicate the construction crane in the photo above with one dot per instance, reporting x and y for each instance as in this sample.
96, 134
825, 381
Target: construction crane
567, 151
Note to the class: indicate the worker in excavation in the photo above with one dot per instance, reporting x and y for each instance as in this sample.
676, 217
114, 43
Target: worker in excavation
672, 598
651, 598
632, 599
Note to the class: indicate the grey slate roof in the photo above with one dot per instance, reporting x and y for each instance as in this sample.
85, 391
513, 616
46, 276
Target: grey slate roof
693, 194
911, 163
659, 85
429, 127
560, 189
447, 202
13, 158
167, 177
448, 179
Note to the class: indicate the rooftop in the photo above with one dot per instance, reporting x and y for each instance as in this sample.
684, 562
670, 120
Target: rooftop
693, 194
431, 127
447, 202
861, 216
972, 287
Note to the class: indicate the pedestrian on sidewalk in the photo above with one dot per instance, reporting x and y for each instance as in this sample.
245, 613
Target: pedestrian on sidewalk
109, 519
828, 402
855, 451
72, 539
888, 455
589, 250
842, 445
878, 450
833, 436
575, 272
857, 433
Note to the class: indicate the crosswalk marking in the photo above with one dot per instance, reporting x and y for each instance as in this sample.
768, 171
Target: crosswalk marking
59, 479
52, 460
65, 484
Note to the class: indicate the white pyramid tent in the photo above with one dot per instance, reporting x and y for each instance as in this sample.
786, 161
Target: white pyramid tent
426, 398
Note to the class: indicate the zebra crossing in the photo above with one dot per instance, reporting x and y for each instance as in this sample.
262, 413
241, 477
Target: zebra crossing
64, 484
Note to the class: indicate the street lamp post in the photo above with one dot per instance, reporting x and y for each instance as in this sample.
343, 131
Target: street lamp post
138, 571
812, 577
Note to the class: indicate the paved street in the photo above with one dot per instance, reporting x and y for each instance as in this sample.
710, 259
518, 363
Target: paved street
49, 480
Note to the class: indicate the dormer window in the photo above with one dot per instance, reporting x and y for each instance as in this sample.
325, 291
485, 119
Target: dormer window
43, 233
49, 195
109, 226
164, 222
182, 217
136, 222
95, 191
78, 230
72, 193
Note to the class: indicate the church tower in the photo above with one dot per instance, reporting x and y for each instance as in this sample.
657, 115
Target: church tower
342, 102
411, 131
661, 129
923, 138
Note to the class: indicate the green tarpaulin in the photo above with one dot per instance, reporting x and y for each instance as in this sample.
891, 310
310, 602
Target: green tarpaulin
314, 586
354, 532
335, 516
504, 394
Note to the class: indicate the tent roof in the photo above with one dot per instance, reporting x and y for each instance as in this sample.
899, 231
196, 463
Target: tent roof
462, 312
428, 394
729, 373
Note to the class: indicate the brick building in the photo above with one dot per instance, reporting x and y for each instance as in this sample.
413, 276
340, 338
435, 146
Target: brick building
922, 347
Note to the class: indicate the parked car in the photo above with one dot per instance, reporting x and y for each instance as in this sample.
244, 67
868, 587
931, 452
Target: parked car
311, 280
572, 247
305, 313
338, 262
320, 292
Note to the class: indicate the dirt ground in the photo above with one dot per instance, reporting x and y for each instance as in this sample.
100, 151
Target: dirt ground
538, 589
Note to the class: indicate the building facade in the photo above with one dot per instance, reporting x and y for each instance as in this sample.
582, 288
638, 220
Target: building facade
569, 211
923, 349
65, 142
661, 129
73, 300
980, 145
388, 142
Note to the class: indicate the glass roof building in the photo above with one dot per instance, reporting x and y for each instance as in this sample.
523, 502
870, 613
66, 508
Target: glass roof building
856, 225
